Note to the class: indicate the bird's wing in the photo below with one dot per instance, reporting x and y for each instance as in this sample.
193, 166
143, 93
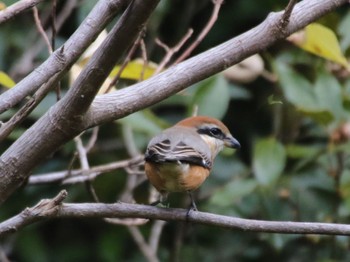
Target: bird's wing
181, 147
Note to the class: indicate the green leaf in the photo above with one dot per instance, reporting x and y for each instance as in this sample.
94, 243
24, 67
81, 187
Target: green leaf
322, 102
300, 151
233, 191
239, 92
345, 184
6, 80
212, 97
297, 89
140, 121
343, 30
329, 94
269, 161
321, 116
306, 155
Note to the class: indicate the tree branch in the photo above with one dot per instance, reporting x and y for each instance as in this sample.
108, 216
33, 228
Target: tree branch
17, 8
81, 175
118, 104
65, 120
84, 89
48, 209
204, 32
58, 63
26, 62
287, 13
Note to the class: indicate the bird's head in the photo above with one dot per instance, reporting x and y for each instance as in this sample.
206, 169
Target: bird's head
212, 131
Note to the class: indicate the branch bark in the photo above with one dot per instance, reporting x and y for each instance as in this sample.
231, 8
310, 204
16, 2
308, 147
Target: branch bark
17, 8
126, 101
64, 120
81, 175
68, 117
49, 209
95, 22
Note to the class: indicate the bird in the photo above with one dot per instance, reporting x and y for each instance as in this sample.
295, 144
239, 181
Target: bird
180, 158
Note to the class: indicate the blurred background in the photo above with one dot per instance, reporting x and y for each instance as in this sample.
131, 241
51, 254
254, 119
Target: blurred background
288, 107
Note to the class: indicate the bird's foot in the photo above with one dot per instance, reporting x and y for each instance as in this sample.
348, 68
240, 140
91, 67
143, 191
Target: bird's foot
192, 207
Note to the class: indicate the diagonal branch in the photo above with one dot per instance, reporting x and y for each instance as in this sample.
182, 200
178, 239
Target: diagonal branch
57, 63
64, 119
57, 126
125, 101
204, 32
81, 94
17, 8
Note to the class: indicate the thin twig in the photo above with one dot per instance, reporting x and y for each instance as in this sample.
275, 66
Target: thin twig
132, 179
85, 166
83, 175
144, 58
205, 31
27, 108
125, 62
41, 29
140, 241
156, 231
27, 61
53, 24
171, 51
53, 41
287, 13
93, 138
100, 16
117, 104
84, 163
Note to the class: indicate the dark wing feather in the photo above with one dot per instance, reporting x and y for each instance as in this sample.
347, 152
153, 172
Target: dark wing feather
162, 152
157, 152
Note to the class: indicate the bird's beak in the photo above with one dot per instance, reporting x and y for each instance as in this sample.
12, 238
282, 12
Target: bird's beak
232, 142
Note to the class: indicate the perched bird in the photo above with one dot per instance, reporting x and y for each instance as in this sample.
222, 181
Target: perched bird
180, 158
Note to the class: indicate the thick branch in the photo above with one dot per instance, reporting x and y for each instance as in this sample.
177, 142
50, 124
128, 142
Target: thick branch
17, 8
85, 88
123, 210
64, 119
125, 101
48, 133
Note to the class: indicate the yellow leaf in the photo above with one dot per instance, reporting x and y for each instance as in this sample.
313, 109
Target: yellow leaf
2, 6
321, 41
135, 69
5, 80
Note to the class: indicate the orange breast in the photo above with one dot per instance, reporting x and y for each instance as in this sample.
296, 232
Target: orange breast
175, 177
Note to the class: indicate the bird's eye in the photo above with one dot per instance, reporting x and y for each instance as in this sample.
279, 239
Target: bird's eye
216, 132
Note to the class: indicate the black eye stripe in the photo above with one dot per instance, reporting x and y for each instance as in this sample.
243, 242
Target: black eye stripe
215, 131
212, 131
